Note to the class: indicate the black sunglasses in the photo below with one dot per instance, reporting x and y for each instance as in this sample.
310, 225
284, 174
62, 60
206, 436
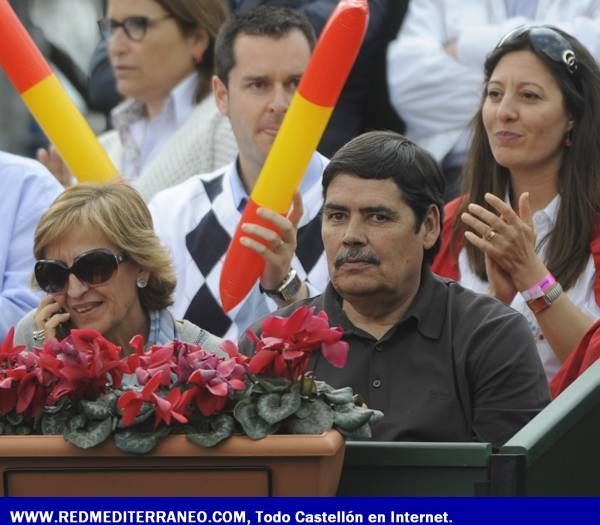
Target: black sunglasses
135, 27
92, 267
546, 40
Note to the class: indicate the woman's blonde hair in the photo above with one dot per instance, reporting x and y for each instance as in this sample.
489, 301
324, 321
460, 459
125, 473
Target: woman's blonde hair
119, 213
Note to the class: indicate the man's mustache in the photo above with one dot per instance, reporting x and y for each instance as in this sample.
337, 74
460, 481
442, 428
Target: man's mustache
355, 254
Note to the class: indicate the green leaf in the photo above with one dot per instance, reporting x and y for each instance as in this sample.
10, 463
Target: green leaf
323, 387
63, 402
254, 426
304, 411
22, 430
146, 411
90, 436
339, 396
55, 424
135, 442
216, 429
318, 418
101, 408
362, 433
78, 421
376, 416
14, 419
350, 417
275, 407
273, 384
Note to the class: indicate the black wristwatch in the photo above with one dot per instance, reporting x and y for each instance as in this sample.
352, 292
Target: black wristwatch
288, 289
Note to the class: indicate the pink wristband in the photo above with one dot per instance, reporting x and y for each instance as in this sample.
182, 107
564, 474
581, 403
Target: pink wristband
539, 289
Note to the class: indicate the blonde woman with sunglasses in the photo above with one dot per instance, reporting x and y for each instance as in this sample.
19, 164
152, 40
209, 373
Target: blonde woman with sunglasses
103, 268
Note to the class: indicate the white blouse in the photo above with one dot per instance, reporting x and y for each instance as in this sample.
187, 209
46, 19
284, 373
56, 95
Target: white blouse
582, 294
142, 138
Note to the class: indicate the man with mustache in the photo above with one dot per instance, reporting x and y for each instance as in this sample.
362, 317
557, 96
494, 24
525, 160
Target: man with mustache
441, 362
260, 55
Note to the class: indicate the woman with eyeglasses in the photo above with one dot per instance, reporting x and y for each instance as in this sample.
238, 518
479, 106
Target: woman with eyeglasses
526, 229
103, 268
168, 127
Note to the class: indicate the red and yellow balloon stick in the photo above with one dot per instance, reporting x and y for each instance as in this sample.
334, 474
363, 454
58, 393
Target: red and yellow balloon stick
298, 137
49, 103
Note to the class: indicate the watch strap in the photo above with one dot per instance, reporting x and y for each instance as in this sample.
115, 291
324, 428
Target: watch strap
287, 290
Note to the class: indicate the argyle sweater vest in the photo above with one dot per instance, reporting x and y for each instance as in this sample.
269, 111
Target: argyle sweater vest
196, 221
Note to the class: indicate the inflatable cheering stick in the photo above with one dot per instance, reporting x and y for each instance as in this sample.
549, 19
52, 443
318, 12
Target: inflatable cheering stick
298, 137
49, 103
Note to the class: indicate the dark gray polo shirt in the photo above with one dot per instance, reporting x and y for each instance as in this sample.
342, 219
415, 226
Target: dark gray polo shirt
459, 366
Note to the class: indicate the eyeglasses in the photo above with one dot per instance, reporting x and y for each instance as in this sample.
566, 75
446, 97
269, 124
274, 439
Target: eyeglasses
135, 27
93, 267
546, 40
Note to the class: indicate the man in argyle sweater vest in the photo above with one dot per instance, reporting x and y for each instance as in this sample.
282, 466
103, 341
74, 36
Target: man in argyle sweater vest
260, 56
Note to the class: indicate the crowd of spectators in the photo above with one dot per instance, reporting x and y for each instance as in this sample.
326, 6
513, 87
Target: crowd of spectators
471, 241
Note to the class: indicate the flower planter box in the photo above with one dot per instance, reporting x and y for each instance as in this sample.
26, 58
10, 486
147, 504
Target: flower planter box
278, 465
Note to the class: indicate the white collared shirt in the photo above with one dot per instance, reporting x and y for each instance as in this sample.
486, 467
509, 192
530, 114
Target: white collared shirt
196, 221
142, 137
582, 294
312, 178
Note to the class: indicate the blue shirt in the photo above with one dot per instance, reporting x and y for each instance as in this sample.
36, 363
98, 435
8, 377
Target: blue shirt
162, 328
26, 191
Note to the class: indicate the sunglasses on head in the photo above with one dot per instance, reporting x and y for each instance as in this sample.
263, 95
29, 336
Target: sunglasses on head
93, 267
545, 40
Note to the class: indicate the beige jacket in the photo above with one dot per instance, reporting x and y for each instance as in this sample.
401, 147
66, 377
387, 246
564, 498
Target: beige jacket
204, 143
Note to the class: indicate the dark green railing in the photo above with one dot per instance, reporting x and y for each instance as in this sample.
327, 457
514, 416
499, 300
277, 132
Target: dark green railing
556, 454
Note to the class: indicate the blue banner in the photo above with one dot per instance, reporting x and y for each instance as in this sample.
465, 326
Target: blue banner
276, 511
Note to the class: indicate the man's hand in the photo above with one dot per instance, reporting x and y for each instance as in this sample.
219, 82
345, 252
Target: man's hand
451, 48
55, 164
281, 246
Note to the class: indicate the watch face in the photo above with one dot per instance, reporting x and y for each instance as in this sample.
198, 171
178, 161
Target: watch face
539, 305
292, 288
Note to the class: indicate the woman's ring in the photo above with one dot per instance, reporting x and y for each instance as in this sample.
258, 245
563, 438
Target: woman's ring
489, 235
39, 336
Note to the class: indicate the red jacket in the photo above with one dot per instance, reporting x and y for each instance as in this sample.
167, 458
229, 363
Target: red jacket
588, 349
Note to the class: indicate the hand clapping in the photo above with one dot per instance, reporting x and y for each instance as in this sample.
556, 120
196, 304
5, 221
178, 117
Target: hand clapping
508, 241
